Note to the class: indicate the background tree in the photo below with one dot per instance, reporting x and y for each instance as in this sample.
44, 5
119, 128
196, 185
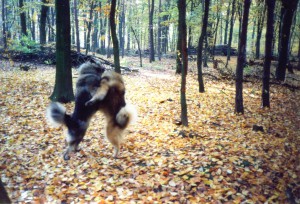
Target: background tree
89, 27
22, 18
151, 34
183, 28
114, 36
200, 46
76, 26
261, 12
239, 107
268, 53
230, 31
63, 91
4, 25
43, 18
289, 8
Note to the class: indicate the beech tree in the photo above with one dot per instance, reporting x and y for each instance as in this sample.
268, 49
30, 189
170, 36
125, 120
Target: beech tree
183, 32
43, 18
151, 37
63, 91
22, 18
239, 107
200, 46
268, 53
114, 36
289, 8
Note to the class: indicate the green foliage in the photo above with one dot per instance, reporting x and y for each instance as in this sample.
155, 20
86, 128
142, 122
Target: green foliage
24, 45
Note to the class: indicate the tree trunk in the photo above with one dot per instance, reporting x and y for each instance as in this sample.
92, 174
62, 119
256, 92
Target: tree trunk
139, 48
260, 26
43, 18
151, 38
63, 91
76, 26
239, 107
289, 9
226, 23
89, 28
230, 31
182, 27
268, 53
159, 32
178, 52
216, 31
22, 18
121, 27
200, 46
95, 42
114, 36
4, 24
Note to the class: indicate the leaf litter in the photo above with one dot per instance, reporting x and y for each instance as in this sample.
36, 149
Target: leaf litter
217, 159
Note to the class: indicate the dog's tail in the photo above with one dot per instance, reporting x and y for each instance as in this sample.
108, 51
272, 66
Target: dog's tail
127, 115
56, 115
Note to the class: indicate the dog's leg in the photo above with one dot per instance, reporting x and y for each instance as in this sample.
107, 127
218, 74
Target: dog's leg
114, 135
100, 94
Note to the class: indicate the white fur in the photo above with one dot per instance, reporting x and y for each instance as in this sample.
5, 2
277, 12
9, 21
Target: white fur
49, 118
129, 110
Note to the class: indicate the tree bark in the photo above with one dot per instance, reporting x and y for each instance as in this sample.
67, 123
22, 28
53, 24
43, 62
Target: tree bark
22, 18
268, 53
230, 31
183, 28
114, 36
260, 26
89, 28
76, 26
63, 91
139, 47
4, 24
239, 107
200, 46
43, 18
151, 35
159, 32
289, 9
226, 23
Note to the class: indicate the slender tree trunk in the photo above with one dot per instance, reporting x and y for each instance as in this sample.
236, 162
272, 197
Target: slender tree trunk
226, 23
239, 107
178, 52
183, 28
290, 7
95, 43
216, 31
231, 31
76, 26
260, 26
151, 38
159, 32
268, 53
43, 18
4, 24
114, 36
89, 28
200, 46
139, 47
63, 91
23, 18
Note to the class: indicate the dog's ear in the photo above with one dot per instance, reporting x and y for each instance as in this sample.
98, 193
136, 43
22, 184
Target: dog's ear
92, 61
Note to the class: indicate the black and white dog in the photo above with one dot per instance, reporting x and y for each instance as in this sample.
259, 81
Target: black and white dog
110, 101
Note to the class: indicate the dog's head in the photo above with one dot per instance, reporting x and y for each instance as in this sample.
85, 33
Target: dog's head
91, 67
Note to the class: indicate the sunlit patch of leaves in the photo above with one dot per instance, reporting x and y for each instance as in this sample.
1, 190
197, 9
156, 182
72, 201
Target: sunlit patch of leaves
217, 158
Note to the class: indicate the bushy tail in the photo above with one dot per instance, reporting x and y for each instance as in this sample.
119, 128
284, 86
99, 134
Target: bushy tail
126, 116
56, 114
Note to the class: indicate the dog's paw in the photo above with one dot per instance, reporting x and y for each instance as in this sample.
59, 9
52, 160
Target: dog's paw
66, 157
89, 103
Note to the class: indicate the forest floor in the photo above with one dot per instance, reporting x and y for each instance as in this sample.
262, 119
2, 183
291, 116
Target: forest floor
218, 158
